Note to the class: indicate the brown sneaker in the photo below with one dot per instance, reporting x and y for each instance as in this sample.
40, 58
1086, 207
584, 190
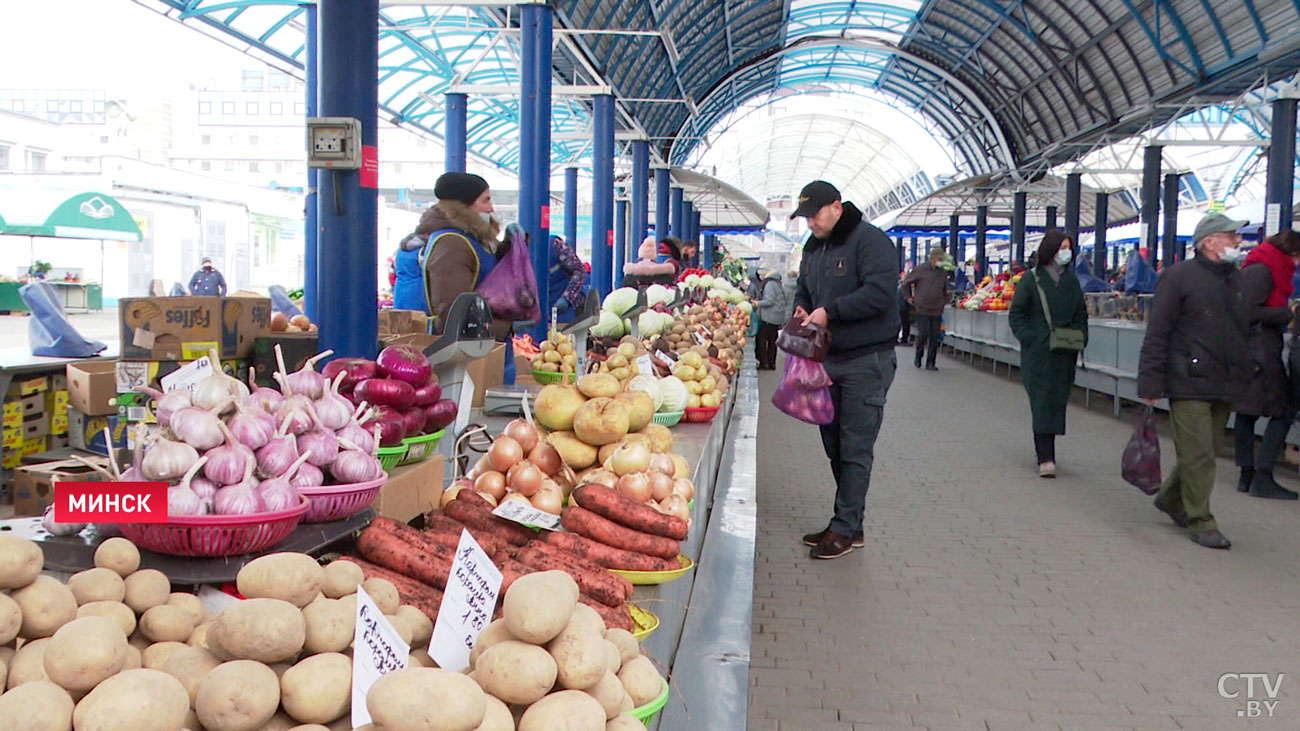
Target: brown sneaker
812, 539
833, 545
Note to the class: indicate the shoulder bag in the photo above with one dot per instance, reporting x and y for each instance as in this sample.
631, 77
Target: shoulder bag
1059, 338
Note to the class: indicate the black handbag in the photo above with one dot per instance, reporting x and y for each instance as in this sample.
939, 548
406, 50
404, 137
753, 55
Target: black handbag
806, 341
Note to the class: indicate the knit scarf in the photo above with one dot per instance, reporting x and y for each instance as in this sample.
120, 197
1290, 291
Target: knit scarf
1280, 266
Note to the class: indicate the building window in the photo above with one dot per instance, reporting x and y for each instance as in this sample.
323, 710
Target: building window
35, 161
205, 107
230, 166
227, 107
252, 167
252, 140
250, 108
205, 166
253, 81
4, 157
277, 108
52, 106
300, 108
205, 139
279, 80
75, 106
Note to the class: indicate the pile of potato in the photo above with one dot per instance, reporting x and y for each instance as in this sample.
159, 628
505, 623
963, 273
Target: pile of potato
549, 663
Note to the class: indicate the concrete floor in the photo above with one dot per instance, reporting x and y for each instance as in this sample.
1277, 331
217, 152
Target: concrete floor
988, 598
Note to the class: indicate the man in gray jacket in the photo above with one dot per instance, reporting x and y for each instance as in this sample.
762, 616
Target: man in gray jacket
848, 283
927, 292
771, 316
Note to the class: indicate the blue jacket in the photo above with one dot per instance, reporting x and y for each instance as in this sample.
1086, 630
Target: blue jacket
208, 284
410, 291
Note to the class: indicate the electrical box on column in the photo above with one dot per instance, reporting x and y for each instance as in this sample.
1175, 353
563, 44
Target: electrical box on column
334, 143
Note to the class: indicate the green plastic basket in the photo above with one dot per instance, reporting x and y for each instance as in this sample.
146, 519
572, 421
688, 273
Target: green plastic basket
390, 457
419, 448
547, 377
645, 714
669, 418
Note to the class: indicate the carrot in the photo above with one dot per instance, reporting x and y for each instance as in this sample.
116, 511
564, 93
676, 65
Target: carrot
607, 556
625, 511
418, 594
625, 586
601, 588
577, 519
385, 543
441, 524
615, 617
482, 519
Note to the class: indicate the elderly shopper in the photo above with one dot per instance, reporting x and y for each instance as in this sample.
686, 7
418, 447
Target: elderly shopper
771, 316
1196, 354
927, 292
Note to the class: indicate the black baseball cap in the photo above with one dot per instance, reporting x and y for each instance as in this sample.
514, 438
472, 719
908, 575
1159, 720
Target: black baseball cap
814, 196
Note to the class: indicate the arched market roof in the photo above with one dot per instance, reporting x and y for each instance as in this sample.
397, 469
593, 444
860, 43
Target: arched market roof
1010, 85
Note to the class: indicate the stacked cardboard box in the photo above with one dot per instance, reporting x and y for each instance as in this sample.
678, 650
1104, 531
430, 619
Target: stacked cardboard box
26, 422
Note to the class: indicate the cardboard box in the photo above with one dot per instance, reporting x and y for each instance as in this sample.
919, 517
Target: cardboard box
27, 387
133, 375
135, 408
58, 442
92, 387
35, 427
13, 414
34, 484
185, 328
402, 322
56, 402
296, 348
13, 437
86, 432
411, 490
58, 382
33, 405
32, 446
487, 372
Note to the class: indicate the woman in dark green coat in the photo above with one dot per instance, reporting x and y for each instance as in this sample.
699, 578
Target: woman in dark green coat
1048, 374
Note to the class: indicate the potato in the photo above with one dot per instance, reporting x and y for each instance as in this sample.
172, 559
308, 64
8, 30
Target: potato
11, 619
625, 722
134, 658
421, 625
140, 700
4, 671
199, 638
190, 665
641, 680
579, 656
167, 623
280, 668
97, 585
46, 605
191, 604
538, 606
146, 589
625, 642
567, 710
587, 620
292, 577
609, 693
613, 658
28, 664
240, 695
118, 554
85, 652
281, 721
318, 689
341, 578
116, 611
329, 625
155, 656
494, 633
426, 699
21, 562
311, 727
576, 453
498, 716
266, 630
36, 706
383, 594
516, 672
402, 626
420, 659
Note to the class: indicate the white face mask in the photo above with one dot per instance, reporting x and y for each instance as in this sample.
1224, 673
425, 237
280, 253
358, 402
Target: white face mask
487, 217
1230, 254
1063, 256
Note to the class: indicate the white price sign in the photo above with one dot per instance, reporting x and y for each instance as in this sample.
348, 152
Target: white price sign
187, 377
467, 605
378, 650
645, 366
527, 515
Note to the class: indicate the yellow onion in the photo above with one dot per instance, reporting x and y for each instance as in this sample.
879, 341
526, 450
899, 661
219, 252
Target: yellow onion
523, 432
504, 454
661, 485
454, 489
662, 463
629, 457
600, 476
546, 457
636, 486
487, 496
492, 483
676, 505
684, 487
549, 499
526, 478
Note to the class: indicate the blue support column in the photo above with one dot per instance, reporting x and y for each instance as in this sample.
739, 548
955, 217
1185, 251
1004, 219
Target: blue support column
640, 209
311, 230
663, 203
981, 241
1050, 217
1172, 250
571, 207
1073, 201
455, 132
1151, 162
688, 218
535, 144
678, 206
543, 69
620, 239
954, 236
1099, 228
348, 214
695, 235
900, 249
915, 244
1019, 209
1281, 167
602, 196
710, 241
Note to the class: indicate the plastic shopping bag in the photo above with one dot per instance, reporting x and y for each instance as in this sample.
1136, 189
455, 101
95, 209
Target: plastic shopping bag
50, 333
1141, 462
805, 391
510, 289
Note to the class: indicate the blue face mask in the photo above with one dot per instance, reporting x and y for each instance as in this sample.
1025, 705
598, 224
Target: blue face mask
487, 217
1064, 256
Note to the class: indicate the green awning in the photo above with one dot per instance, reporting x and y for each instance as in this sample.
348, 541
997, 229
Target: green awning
83, 216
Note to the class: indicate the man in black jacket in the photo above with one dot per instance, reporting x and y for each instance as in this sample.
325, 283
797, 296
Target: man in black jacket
848, 283
1195, 354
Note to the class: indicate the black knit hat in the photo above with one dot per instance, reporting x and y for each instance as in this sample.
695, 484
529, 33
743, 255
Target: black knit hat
463, 187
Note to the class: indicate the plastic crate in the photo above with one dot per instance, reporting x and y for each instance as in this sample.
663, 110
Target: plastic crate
646, 714
390, 457
668, 418
421, 448
547, 377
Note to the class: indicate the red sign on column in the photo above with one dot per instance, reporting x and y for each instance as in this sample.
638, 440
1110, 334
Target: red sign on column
546, 217
609, 238
369, 166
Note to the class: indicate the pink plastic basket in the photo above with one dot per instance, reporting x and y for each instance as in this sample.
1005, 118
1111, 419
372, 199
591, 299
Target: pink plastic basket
215, 535
700, 415
336, 502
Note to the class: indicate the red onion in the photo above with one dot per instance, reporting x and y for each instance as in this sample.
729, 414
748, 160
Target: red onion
332, 410
279, 453
226, 463
389, 425
181, 500
305, 381
321, 444
166, 460
268, 399
252, 427
308, 475
413, 421
405, 363
354, 370
386, 392
439, 415
278, 493
428, 393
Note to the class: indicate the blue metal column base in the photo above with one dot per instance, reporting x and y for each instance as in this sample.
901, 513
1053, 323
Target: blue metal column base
602, 195
678, 225
455, 132
1281, 165
914, 244
1099, 228
571, 207
640, 195
695, 233
311, 229
620, 239
1019, 210
663, 203
1151, 162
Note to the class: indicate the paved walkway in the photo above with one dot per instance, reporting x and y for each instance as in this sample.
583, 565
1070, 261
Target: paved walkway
987, 598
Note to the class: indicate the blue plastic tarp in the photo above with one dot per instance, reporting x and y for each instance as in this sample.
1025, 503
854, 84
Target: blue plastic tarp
49, 332
1139, 275
1087, 281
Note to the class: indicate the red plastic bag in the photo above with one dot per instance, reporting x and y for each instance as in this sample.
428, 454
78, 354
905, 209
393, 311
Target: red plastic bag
805, 391
510, 289
1140, 464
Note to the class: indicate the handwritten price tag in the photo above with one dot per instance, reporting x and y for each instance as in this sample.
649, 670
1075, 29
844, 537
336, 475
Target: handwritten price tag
187, 377
378, 650
467, 605
527, 515
645, 366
